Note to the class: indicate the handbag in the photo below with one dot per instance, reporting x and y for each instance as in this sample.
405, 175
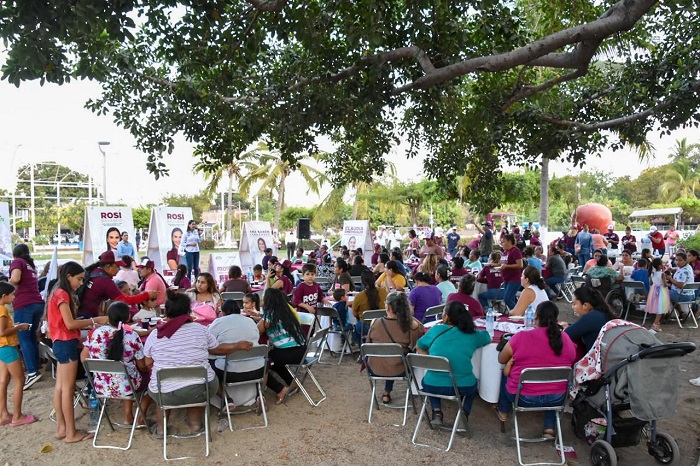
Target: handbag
504, 340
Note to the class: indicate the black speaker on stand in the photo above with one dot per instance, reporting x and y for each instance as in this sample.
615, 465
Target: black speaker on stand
303, 230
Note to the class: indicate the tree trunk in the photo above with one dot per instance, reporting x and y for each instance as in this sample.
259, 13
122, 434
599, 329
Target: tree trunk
280, 203
544, 197
229, 210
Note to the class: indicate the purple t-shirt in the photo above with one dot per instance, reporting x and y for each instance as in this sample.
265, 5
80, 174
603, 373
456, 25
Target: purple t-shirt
511, 256
423, 297
531, 350
27, 291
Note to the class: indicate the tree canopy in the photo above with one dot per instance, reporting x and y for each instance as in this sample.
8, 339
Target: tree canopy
473, 84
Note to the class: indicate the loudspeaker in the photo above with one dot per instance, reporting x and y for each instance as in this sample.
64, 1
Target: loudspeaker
303, 228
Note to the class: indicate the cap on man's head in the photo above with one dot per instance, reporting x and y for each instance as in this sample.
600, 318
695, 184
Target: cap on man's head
611, 227
653, 228
487, 224
454, 228
146, 263
107, 257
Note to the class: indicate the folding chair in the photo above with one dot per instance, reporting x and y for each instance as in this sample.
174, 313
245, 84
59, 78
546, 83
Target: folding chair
633, 289
79, 393
426, 362
324, 283
233, 296
197, 375
115, 369
255, 353
311, 357
687, 306
498, 302
544, 375
433, 313
367, 319
357, 282
386, 350
308, 319
344, 333
577, 281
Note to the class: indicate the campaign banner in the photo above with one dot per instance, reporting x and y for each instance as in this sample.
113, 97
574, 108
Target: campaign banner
255, 238
219, 263
165, 233
5, 238
356, 234
103, 227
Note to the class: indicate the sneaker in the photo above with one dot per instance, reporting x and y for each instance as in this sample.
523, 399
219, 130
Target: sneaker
695, 381
31, 379
437, 418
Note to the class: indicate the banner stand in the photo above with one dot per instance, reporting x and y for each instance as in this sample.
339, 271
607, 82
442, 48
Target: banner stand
165, 232
220, 262
103, 226
255, 238
356, 234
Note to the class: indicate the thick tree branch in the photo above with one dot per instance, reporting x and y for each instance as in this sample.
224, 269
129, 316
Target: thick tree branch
527, 91
607, 124
268, 5
621, 17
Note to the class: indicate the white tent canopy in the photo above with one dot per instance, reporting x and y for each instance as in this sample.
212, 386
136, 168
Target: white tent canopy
675, 211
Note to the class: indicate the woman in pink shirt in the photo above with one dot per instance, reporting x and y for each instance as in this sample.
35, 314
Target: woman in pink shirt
544, 346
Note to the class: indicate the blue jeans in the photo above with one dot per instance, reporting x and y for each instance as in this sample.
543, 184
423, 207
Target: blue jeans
388, 384
192, 259
358, 330
505, 403
551, 283
509, 293
27, 338
484, 259
467, 393
452, 252
490, 294
677, 297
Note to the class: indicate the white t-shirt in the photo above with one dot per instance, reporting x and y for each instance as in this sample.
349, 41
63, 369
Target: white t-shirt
231, 329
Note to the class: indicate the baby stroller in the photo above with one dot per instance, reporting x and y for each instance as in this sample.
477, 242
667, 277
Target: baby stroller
617, 403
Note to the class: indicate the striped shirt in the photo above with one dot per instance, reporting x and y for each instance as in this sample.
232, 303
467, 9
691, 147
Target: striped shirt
279, 336
189, 346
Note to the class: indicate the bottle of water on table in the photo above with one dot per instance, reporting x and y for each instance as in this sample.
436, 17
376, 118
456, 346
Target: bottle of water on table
490, 321
250, 275
529, 318
94, 406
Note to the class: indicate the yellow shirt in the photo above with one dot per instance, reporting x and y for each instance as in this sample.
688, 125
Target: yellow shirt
10, 340
398, 279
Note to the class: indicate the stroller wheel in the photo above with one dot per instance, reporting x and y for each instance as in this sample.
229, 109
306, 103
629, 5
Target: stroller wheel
603, 454
665, 449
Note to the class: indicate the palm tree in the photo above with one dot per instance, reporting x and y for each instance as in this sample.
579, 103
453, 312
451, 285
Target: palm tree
270, 168
233, 171
682, 181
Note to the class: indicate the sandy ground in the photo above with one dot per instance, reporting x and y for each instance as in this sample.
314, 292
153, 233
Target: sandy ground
337, 432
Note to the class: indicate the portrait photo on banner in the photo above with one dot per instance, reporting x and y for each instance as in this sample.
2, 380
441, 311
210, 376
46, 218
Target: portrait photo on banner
103, 228
166, 230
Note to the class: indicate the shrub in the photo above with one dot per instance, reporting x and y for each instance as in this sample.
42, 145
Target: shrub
207, 244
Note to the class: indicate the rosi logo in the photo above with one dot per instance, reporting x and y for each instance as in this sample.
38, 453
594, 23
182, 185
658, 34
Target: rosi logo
175, 216
111, 215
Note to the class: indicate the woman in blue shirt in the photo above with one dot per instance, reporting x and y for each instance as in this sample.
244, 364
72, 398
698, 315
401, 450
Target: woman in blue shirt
192, 240
456, 339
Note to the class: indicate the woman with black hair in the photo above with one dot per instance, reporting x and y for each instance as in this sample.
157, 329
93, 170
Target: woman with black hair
370, 298
341, 276
393, 278
283, 329
456, 339
118, 342
423, 295
235, 281
400, 327
180, 279
381, 264
64, 330
544, 346
28, 307
593, 313
534, 291
464, 296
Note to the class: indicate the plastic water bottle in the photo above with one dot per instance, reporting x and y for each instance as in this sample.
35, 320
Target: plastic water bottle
250, 275
490, 321
94, 406
529, 318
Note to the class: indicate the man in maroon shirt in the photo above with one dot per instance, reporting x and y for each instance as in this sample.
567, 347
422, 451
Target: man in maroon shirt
101, 287
657, 241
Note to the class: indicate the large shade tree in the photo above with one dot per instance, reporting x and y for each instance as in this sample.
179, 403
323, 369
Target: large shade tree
476, 85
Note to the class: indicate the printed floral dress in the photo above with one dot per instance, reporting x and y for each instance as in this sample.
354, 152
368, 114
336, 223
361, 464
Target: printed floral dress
116, 386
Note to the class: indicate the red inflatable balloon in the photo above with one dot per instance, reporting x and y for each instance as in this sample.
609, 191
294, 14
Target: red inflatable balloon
594, 215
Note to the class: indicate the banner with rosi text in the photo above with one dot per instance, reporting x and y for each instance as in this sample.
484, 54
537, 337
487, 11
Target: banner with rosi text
165, 233
103, 227
356, 234
220, 262
255, 238
5, 239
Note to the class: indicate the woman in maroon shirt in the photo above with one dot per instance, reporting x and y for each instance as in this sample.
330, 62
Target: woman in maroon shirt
464, 296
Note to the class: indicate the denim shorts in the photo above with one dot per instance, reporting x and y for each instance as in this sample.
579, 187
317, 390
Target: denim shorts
66, 350
8, 354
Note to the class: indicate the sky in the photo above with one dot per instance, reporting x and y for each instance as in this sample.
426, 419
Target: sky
50, 123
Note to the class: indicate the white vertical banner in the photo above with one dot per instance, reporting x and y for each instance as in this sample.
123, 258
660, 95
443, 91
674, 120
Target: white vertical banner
5, 238
103, 227
356, 234
219, 263
255, 237
165, 232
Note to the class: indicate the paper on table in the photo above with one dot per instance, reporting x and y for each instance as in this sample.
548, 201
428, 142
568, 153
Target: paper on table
509, 327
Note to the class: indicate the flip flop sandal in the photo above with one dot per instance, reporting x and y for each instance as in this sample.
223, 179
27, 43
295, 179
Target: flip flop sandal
501, 417
386, 398
27, 419
548, 434
87, 436
153, 430
6, 421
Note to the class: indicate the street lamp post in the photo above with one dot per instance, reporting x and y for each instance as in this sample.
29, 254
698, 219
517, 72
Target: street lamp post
14, 190
104, 170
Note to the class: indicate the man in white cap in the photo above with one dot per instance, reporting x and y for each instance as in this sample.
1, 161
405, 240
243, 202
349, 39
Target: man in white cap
657, 242
613, 242
486, 241
453, 241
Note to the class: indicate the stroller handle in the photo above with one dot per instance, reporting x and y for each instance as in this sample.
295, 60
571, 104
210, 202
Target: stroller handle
668, 350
